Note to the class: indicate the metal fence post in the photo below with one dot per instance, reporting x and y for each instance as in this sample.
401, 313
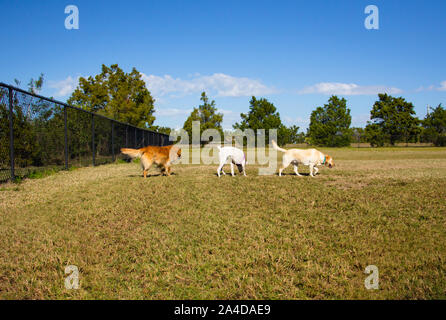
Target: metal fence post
113, 139
92, 138
11, 134
127, 136
66, 136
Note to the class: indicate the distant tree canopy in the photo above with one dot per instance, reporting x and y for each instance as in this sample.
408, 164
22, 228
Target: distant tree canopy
434, 125
116, 94
207, 115
160, 129
292, 135
392, 120
330, 124
34, 86
263, 114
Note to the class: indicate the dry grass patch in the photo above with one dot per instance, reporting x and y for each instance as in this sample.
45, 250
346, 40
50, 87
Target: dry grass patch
195, 236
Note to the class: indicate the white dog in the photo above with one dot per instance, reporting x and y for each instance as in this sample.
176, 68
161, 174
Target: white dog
307, 157
236, 156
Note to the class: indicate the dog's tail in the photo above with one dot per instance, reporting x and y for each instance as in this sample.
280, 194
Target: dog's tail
275, 146
132, 153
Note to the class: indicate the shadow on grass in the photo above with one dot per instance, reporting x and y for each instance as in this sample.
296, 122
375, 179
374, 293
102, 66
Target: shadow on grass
293, 174
151, 175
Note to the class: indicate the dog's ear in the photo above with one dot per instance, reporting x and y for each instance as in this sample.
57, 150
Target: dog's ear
329, 162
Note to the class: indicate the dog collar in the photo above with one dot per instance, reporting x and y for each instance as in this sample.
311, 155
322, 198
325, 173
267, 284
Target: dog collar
324, 160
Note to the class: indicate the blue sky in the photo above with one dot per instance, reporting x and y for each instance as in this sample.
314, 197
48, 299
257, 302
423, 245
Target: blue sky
294, 53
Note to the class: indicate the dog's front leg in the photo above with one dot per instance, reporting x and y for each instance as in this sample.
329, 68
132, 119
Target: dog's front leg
311, 170
220, 169
167, 168
232, 169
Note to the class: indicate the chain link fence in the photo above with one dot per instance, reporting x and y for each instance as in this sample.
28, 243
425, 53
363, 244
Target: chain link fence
5, 161
38, 133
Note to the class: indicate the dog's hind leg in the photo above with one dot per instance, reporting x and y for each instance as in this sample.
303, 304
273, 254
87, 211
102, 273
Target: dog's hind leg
232, 169
285, 163
145, 164
296, 170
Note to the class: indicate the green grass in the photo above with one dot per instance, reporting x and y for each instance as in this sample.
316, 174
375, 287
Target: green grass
194, 236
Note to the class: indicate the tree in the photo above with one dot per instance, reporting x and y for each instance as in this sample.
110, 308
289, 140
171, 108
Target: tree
358, 135
292, 135
330, 124
34, 86
116, 94
263, 114
434, 125
392, 120
26, 148
37, 128
161, 129
374, 135
207, 115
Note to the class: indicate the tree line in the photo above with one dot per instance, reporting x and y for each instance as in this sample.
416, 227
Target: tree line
125, 97
392, 120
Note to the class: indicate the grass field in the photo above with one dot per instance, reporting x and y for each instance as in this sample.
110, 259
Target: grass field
194, 236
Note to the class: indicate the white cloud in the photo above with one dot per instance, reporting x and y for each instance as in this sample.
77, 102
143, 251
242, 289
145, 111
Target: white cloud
297, 120
360, 120
442, 87
225, 112
171, 112
64, 87
174, 112
347, 89
420, 89
221, 84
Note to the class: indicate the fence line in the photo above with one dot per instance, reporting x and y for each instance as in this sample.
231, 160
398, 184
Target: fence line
38, 133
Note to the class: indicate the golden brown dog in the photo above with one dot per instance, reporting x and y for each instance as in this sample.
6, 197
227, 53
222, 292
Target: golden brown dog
161, 156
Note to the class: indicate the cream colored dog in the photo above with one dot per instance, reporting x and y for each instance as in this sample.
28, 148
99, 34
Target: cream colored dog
307, 157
